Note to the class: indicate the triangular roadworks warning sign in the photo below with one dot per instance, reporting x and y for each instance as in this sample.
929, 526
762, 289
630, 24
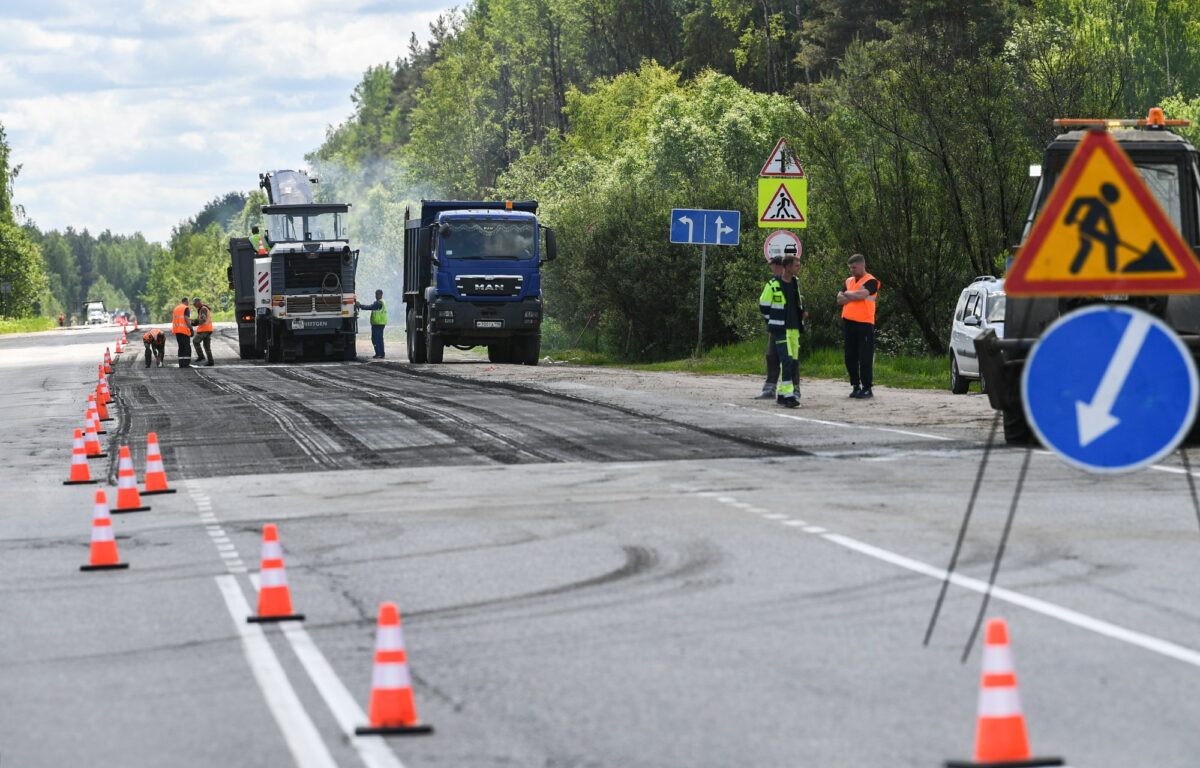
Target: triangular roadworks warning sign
1102, 232
782, 162
781, 208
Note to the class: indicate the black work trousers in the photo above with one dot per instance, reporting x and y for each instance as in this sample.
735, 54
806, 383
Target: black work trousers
773, 367
185, 349
203, 344
154, 350
860, 352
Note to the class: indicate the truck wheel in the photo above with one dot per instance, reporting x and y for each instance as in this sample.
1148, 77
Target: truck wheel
435, 347
415, 339
247, 351
958, 384
499, 352
349, 352
531, 349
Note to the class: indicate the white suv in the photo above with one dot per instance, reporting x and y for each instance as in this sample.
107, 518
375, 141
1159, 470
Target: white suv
980, 306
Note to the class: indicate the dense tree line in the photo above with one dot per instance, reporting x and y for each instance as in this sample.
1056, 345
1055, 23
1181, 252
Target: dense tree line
916, 121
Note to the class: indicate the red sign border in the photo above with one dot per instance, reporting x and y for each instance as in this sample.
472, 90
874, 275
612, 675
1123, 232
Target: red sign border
764, 174
1017, 284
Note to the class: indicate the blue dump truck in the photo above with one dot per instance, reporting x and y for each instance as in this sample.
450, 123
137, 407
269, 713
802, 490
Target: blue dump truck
472, 278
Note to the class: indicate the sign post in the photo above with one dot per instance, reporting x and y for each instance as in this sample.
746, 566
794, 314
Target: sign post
704, 228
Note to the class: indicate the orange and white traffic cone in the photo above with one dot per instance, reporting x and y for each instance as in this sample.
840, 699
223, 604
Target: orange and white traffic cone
80, 474
93, 414
274, 596
156, 476
105, 392
128, 498
91, 443
104, 555
1000, 737
392, 709
107, 361
101, 408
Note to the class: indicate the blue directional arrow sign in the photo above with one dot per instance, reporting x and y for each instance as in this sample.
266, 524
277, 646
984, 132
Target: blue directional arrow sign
1110, 389
700, 227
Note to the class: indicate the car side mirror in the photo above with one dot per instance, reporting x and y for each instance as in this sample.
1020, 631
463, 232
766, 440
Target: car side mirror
972, 320
551, 245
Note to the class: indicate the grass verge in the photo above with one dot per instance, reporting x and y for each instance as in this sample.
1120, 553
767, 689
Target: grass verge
26, 324
746, 357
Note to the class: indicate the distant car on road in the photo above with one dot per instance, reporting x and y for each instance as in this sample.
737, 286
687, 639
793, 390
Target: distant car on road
95, 313
980, 306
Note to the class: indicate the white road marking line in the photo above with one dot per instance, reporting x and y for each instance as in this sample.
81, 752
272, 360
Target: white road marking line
796, 523
1066, 615
305, 743
725, 500
813, 529
775, 516
373, 750
843, 425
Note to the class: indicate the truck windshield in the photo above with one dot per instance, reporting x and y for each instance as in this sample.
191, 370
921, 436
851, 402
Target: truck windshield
1163, 181
489, 239
298, 227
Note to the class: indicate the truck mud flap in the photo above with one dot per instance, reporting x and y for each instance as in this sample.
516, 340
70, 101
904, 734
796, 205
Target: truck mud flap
1003, 381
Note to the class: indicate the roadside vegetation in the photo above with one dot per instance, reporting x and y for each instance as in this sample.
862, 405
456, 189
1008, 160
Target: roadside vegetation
915, 120
746, 357
26, 324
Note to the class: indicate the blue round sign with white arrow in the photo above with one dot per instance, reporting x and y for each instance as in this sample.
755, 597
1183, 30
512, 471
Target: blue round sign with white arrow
1110, 389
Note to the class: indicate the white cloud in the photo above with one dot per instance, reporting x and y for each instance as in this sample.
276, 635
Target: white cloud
131, 115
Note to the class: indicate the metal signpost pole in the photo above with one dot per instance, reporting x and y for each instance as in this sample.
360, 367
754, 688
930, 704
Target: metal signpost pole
700, 327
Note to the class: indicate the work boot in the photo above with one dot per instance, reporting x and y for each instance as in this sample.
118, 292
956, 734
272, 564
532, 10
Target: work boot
790, 402
866, 393
857, 393
209, 364
767, 394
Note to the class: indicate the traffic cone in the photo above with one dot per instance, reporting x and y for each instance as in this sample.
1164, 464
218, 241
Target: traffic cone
105, 392
104, 555
107, 361
392, 710
91, 443
79, 466
93, 412
274, 597
101, 408
117, 349
128, 499
156, 476
1000, 737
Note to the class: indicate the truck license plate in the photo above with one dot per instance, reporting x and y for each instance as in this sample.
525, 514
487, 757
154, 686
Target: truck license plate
297, 325
489, 323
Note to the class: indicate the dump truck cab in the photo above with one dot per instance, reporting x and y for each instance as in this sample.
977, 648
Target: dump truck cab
1170, 167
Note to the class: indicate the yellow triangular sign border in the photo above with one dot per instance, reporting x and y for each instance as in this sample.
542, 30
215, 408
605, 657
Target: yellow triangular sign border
1017, 282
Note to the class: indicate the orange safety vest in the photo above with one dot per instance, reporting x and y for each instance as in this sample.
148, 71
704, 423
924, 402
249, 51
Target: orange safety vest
207, 325
152, 335
862, 311
179, 323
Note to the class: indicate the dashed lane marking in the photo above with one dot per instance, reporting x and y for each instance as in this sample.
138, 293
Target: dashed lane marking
1052, 610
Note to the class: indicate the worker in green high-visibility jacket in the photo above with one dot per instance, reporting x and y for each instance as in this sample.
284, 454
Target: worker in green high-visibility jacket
258, 241
378, 320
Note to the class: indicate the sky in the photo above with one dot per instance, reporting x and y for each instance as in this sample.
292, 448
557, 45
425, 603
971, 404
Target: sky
131, 115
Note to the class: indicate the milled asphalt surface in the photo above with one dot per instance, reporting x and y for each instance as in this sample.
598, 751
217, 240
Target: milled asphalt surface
580, 586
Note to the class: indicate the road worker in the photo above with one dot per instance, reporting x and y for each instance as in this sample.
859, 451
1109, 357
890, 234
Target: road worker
155, 342
204, 330
183, 332
857, 301
378, 321
785, 314
764, 305
258, 241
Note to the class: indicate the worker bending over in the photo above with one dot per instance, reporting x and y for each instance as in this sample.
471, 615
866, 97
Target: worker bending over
155, 342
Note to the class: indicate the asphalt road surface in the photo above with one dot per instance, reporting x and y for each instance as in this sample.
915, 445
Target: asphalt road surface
589, 574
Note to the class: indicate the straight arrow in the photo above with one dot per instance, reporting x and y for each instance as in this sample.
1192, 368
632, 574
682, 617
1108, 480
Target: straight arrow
1095, 418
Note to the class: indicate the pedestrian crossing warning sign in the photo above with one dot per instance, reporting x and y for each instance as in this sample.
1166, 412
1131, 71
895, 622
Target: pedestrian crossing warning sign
782, 162
783, 202
1102, 231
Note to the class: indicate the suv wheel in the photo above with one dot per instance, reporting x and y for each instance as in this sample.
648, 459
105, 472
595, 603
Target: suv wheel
958, 384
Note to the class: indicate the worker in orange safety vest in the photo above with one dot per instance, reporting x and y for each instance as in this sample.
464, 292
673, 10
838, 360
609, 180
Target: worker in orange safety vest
204, 330
858, 323
183, 332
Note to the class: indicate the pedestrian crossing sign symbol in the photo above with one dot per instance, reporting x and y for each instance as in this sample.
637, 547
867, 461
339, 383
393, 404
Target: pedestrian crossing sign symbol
783, 202
1103, 232
782, 162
